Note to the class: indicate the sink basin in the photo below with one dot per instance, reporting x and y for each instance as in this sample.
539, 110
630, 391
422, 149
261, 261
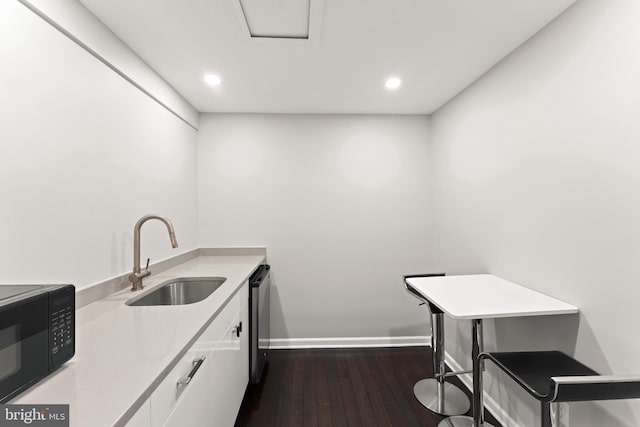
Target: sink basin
179, 292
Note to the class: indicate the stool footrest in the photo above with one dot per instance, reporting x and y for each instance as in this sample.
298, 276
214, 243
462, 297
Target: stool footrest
453, 374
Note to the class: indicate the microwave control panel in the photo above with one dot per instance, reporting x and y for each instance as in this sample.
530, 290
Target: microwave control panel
61, 326
61, 329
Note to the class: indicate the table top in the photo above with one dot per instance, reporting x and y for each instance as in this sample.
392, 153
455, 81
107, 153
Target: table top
484, 296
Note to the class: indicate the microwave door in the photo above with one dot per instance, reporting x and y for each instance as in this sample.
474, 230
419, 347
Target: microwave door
24, 345
9, 351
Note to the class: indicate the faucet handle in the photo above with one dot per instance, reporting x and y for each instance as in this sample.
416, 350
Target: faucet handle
147, 266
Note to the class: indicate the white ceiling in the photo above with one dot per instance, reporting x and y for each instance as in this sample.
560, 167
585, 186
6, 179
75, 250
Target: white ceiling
437, 47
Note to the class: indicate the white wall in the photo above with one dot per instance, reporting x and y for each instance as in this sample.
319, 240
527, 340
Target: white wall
83, 155
82, 26
537, 180
338, 201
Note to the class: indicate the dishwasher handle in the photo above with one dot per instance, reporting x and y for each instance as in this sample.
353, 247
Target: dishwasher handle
259, 276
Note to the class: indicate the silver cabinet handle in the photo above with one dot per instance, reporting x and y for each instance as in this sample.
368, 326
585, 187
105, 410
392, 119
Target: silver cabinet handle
196, 365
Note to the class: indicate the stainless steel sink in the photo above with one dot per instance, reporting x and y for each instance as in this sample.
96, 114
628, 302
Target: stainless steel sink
179, 292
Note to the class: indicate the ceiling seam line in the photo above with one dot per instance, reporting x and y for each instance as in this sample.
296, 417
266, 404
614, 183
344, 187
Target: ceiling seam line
102, 59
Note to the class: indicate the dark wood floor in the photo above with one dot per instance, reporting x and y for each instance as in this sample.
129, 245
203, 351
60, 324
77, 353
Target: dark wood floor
340, 388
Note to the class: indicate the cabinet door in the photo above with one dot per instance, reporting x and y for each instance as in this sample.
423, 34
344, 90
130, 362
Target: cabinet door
241, 359
209, 398
214, 395
169, 392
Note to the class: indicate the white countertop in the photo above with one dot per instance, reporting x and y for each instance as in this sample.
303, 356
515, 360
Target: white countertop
123, 352
483, 296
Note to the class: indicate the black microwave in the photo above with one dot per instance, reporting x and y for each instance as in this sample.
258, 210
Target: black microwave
37, 334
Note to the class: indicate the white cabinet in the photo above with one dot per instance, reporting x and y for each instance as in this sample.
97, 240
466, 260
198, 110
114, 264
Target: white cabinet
207, 385
142, 418
219, 389
241, 360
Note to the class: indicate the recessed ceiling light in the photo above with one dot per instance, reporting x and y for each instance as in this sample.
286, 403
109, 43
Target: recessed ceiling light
393, 83
212, 80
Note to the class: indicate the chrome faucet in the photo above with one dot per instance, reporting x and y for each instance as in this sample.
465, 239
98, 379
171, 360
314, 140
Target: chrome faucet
138, 274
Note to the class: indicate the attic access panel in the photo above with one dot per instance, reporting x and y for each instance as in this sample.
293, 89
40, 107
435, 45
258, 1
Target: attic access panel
277, 19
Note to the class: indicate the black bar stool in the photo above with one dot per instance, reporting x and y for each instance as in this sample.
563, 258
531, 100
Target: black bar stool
435, 394
552, 376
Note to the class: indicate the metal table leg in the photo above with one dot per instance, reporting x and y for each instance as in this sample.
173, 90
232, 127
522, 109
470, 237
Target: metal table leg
478, 366
435, 394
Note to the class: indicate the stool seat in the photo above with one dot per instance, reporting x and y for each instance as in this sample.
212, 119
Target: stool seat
552, 376
533, 370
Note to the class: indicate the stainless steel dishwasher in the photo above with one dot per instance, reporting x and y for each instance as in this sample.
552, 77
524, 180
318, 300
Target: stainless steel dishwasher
259, 283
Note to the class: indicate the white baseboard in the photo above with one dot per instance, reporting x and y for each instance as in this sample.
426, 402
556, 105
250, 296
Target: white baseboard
348, 342
490, 403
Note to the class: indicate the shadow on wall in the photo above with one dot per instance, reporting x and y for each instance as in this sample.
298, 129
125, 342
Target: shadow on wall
422, 329
411, 330
277, 324
119, 263
535, 333
516, 334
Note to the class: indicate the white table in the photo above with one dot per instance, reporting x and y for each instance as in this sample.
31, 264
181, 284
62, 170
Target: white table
476, 297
